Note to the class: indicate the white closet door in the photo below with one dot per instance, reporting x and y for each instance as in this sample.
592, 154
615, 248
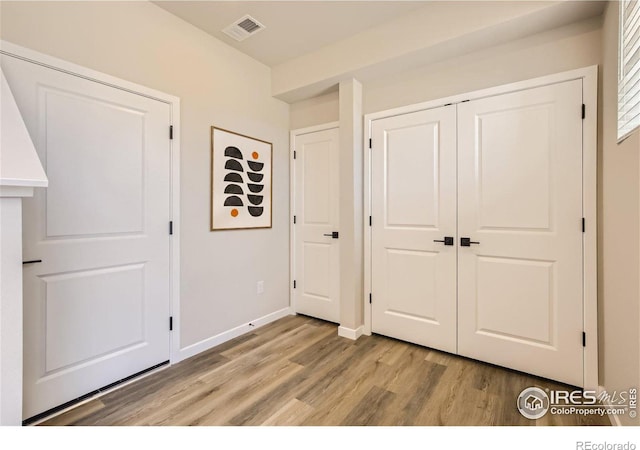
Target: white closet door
414, 206
520, 201
317, 252
97, 306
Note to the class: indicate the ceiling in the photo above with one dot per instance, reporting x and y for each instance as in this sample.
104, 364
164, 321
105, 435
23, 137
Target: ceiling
293, 28
313, 45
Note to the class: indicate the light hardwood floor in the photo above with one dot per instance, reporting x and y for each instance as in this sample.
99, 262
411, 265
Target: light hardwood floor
297, 371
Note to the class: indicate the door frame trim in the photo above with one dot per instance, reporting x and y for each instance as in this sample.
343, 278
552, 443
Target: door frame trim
41, 59
589, 77
292, 201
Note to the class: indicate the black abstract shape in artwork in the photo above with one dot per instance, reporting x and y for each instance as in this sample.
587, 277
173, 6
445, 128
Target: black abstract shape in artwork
255, 177
255, 188
233, 189
233, 201
233, 152
255, 199
233, 165
233, 177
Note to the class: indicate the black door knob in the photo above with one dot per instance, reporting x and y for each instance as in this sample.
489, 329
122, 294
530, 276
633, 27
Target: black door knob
448, 240
33, 261
466, 242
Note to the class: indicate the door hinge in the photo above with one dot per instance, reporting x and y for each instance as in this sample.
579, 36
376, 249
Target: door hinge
370, 221
170, 131
294, 220
370, 298
370, 143
294, 154
294, 284
584, 225
584, 111
584, 339
170, 227
171, 323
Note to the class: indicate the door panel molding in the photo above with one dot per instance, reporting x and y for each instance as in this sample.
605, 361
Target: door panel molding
414, 208
589, 78
172, 104
296, 223
520, 296
41, 59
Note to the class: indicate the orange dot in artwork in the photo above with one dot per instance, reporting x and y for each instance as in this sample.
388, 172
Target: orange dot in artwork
255, 155
234, 212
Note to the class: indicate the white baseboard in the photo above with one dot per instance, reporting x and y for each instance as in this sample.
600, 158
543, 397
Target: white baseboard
206, 344
613, 418
350, 333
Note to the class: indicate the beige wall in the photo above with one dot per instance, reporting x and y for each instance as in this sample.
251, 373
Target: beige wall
434, 32
619, 243
351, 207
139, 42
314, 111
569, 47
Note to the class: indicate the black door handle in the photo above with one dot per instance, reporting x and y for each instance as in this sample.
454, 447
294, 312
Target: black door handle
33, 261
448, 240
466, 242
333, 234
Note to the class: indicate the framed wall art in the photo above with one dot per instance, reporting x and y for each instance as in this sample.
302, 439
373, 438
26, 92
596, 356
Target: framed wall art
240, 181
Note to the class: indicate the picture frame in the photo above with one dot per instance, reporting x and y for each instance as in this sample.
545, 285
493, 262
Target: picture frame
241, 181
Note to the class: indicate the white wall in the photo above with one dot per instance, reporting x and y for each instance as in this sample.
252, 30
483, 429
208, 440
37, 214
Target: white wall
142, 43
619, 246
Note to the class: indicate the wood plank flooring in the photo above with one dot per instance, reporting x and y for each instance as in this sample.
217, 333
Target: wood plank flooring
298, 371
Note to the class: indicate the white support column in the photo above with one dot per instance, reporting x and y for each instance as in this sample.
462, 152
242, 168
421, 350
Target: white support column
20, 172
10, 310
351, 204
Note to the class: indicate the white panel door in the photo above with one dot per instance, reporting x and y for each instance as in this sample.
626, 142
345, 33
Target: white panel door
97, 306
413, 182
520, 201
317, 264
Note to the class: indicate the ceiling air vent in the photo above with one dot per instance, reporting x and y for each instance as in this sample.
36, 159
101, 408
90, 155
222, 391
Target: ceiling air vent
243, 28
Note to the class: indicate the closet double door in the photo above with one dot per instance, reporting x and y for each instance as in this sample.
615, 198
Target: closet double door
476, 240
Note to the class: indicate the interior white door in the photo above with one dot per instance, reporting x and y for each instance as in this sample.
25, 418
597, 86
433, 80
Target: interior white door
317, 263
520, 201
413, 191
96, 309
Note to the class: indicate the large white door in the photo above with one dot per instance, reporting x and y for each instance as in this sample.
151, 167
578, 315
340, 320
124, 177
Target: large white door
97, 305
413, 189
520, 204
317, 264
